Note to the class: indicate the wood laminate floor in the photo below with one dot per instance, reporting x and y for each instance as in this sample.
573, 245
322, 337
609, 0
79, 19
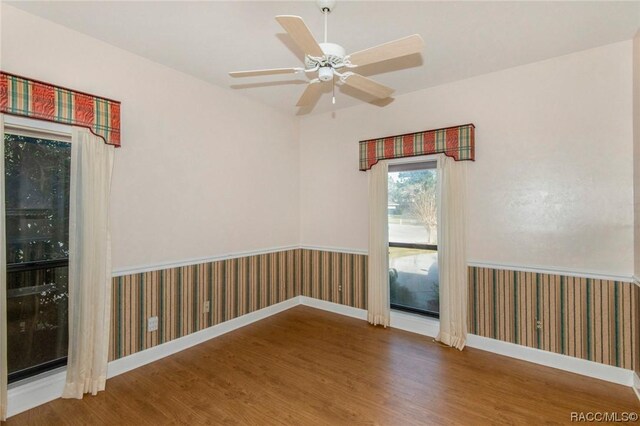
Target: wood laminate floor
308, 367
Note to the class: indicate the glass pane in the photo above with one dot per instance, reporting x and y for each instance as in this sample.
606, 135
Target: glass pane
413, 279
37, 317
413, 219
413, 214
37, 173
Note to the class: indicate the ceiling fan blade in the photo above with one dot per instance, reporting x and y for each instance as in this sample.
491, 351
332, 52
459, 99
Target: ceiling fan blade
254, 73
393, 49
299, 32
369, 86
310, 95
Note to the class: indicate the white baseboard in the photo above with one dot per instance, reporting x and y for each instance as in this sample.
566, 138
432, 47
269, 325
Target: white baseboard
583, 367
399, 320
38, 391
415, 323
31, 393
334, 307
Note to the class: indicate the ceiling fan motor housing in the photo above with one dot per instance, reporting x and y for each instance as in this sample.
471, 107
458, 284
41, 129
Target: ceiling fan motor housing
332, 49
333, 57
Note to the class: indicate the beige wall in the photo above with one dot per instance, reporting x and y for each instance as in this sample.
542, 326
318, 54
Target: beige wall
552, 184
203, 171
636, 149
636, 177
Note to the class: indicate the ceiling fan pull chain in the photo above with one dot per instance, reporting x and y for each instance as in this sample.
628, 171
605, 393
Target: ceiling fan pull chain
333, 83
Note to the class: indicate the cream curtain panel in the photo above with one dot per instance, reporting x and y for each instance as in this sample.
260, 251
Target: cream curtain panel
452, 254
3, 287
89, 264
378, 269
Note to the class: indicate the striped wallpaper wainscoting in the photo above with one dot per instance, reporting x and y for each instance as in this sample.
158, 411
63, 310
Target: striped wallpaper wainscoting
335, 277
593, 319
585, 318
233, 287
636, 321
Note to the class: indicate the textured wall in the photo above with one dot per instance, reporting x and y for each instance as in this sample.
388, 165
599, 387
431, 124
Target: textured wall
636, 168
203, 147
540, 193
636, 151
580, 317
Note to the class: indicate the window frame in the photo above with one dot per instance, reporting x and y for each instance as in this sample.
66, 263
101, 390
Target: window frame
52, 131
409, 164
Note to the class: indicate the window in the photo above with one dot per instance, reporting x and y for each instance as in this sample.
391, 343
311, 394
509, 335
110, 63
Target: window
413, 239
37, 176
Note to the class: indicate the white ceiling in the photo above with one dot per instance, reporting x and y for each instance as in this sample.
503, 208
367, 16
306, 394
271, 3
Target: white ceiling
463, 39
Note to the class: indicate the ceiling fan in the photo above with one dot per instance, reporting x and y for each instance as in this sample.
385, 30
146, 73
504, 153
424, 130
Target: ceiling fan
331, 62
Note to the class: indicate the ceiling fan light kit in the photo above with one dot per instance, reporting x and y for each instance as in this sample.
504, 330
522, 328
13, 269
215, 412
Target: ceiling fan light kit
325, 74
330, 60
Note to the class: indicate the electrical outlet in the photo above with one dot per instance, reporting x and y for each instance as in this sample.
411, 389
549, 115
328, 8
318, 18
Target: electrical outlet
152, 324
207, 307
340, 287
538, 324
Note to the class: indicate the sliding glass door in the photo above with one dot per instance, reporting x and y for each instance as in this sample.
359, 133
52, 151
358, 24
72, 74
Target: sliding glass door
37, 176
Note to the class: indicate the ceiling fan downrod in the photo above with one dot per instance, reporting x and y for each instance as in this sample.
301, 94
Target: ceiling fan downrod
326, 14
326, 6
326, 72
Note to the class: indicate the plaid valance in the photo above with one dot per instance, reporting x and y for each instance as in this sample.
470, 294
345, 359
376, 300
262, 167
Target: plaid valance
456, 142
42, 101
